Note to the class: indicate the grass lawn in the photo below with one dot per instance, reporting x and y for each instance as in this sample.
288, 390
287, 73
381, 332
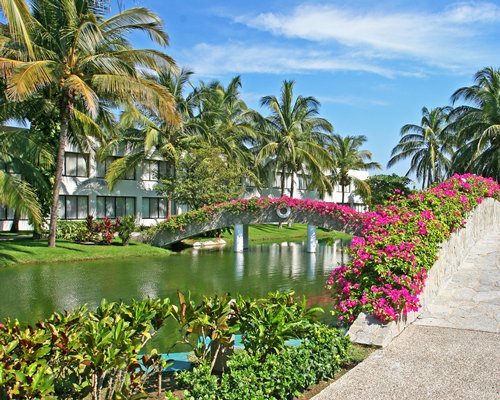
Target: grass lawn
271, 232
24, 251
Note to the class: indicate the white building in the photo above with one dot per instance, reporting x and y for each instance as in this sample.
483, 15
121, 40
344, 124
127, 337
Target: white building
84, 192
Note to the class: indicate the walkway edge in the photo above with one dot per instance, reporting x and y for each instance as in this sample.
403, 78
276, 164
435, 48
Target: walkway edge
370, 331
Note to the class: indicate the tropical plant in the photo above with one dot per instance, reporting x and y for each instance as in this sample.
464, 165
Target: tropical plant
347, 157
207, 325
147, 135
400, 242
84, 59
478, 125
266, 324
429, 146
385, 187
127, 226
204, 177
224, 121
293, 138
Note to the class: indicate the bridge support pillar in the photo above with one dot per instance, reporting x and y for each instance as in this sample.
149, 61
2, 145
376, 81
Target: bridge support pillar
311, 239
240, 237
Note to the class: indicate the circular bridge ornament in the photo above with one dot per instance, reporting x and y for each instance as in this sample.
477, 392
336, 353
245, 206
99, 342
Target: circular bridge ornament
283, 211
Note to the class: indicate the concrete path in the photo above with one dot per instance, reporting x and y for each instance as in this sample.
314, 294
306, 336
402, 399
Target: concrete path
451, 352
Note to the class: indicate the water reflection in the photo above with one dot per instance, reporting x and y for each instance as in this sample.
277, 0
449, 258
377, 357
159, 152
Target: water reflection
33, 292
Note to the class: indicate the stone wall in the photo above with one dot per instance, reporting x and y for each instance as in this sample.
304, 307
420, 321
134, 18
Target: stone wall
371, 331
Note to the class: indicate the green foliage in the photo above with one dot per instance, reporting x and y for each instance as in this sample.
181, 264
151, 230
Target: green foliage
80, 353
202, 384
268, 323
204, 177
207, 324
127, 226
75, 231
281, 375
383, 188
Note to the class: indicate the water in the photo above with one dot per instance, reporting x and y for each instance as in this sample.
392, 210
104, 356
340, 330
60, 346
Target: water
33, 292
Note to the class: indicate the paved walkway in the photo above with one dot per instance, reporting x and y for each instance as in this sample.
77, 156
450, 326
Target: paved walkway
451, 352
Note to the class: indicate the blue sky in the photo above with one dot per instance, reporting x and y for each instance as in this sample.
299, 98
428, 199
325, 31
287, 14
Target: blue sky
373, 65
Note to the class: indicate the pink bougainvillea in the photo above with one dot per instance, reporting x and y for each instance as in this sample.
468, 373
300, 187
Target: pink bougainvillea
399, 243
344, 214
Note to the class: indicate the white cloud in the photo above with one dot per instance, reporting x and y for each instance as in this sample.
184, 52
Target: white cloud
449, 39
236, 58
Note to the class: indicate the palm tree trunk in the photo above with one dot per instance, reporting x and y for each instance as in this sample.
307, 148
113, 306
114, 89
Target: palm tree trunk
343, 194
15, 222
292, 185
283, 180
66, 112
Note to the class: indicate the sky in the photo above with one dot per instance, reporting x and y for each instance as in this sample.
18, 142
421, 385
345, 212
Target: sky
373, 65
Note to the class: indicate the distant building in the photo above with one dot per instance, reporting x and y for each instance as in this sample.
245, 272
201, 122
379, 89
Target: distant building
84, 192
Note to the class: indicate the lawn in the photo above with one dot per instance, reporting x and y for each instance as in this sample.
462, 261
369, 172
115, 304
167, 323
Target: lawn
24, 251
271, 232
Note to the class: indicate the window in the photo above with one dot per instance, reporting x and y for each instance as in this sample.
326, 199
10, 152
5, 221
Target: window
154, 170
6, 213
154, 207
347, 188
302, 181
277, 181
115, 206
103, 168
76, 164
73, 207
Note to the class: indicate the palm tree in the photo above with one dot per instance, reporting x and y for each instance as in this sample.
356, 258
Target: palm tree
87, 64
478, 125
224, 121
21, 158
148, 134
294, 136
428, 145
347, 157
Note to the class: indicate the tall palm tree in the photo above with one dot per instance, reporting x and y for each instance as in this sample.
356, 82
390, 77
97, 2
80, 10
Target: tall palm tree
347, 157
294, 136
87, 63
224, 121
478, 125
21, 158
148, 135
428, 145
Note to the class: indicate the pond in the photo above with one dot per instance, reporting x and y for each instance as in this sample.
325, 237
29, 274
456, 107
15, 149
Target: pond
33, 292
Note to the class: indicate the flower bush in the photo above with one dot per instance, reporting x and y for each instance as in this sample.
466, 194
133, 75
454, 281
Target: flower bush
345, 214
399, 243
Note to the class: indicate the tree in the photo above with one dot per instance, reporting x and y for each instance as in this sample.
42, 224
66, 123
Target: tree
347, 157
383, 187
478, 125
87, 64
223, 120
204, 177
294, 137
22, 161
429, 146
147, 135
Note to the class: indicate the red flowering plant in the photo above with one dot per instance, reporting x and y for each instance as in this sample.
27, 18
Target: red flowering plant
399, 244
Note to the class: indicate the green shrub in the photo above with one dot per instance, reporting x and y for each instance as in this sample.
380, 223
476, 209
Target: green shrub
268, 323
281, 375
79, 353
202, 384
75, 231
125, 229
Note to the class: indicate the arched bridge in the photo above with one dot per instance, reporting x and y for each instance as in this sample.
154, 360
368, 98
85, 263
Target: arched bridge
241, 213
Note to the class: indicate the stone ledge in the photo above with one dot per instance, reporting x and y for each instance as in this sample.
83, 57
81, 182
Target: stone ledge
370, 331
